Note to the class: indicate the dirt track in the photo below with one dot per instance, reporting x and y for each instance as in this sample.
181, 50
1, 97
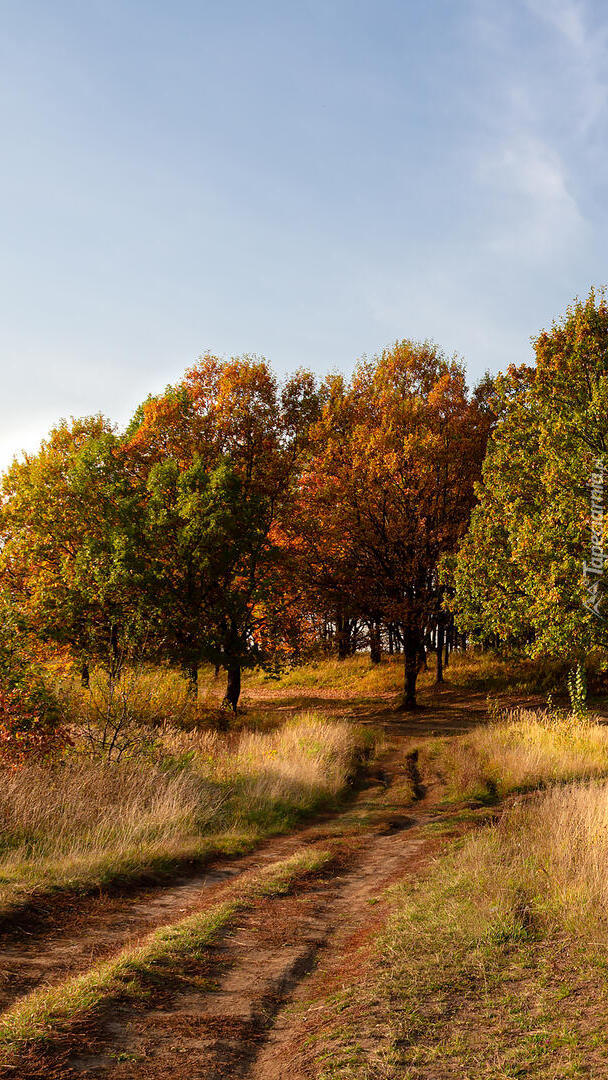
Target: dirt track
229, 1016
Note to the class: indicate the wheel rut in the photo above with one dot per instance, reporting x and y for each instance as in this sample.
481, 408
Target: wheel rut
59, 941
224, 1016
99, 926
227, 1014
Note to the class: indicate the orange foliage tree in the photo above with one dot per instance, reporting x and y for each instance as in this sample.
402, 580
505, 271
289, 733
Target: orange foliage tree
388, 489
235, 510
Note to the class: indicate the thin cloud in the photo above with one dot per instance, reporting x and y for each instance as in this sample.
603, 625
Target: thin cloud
587, 51
537, 215
527, 169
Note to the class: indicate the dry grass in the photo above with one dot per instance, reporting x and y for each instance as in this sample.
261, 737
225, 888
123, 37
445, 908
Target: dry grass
148, 697
143, 697
152, 696
523, 750
87, 821
352, 676
507, 928
492, 964
343, 689
491, 671
542, 869
544, 866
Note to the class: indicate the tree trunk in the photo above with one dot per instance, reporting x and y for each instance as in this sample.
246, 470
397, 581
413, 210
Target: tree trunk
440, 637
446, 657
115, 656
233, 686
391, 646
343, 635
411, 650
191, 673
375, 650
85, 681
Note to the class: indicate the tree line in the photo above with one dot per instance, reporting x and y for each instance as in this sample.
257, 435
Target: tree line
242, 520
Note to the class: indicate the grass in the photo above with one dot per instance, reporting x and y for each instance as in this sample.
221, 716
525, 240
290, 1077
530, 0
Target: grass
525, 749
353, 676
493, 961
492, 671
154, 696
147, 695
356, 680
50, 1012
86, 822
493, 964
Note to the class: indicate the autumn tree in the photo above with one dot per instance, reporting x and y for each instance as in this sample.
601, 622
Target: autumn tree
523, 571
389, 488
30, 719
218, 455
69, 541
326, 553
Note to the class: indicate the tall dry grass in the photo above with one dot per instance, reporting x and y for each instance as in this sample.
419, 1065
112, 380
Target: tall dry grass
353, 675
544, 865
523, 750
553, 848
144, 696
493, 961
147, 697
88, 820
292, 768
542, 869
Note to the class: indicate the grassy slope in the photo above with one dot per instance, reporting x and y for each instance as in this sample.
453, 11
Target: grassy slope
505, 929
493, 964
525, 750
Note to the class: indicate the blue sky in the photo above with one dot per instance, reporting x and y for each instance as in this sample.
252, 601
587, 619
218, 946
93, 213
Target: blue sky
308, 181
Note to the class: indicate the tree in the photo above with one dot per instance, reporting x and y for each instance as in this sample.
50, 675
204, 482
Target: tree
218, 455
69, 540
389, 488
521, 571
325, 549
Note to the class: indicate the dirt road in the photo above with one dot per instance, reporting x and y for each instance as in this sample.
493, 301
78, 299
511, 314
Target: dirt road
231, 1014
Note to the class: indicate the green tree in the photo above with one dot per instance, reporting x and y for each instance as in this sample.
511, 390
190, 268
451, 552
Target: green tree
69, 540
520, 572
219, 455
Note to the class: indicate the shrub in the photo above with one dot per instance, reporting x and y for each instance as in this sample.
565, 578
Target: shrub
29, 723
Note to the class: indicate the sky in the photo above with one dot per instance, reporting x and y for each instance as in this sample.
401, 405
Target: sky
306, 181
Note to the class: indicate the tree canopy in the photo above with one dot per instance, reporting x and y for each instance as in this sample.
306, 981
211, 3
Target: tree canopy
523, 570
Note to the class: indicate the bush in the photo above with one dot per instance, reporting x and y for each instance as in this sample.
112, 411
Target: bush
29, 725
